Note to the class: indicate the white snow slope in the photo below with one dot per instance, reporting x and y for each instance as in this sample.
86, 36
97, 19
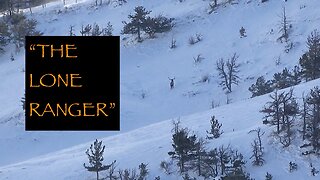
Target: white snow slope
145, 68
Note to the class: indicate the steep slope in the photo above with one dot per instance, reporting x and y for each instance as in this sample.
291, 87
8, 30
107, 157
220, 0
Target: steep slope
145, 67
150, 145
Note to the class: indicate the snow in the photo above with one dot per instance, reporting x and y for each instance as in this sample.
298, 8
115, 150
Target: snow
145, 134
151, 143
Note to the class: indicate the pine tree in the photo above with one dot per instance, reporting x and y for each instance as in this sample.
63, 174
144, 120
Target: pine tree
224, 154
184, 146
310, 61
211, 164
313, 119
141, 22
143, 171
108, 30
96, 30
296, 75
23, 27
4, 35
260, 87
304, 115
86, 31
158, 24
95, 156
283, 79
236, 170
199, 156
273, 111
215, 130
137, 23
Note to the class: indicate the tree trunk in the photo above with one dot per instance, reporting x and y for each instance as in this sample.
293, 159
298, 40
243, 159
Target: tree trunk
139, 38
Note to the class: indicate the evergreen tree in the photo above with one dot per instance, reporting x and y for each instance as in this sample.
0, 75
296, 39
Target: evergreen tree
141, 22
22, 27
224, 154
304, 115
281, 112
211, 163
283, 79
143, 171
4, 35
96, 30
95, 156
296, 75
310, 61
137, 23
86, 31
215, 130
108, 30
260, 87
199, 156
157, 24
273, 111
313, 119
236, 170
184, 146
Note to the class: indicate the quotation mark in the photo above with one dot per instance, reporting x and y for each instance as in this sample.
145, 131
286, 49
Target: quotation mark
32, 47
112, 105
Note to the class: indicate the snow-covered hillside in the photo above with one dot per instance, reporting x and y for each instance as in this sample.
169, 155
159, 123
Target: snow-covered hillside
150, 144
147, 103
